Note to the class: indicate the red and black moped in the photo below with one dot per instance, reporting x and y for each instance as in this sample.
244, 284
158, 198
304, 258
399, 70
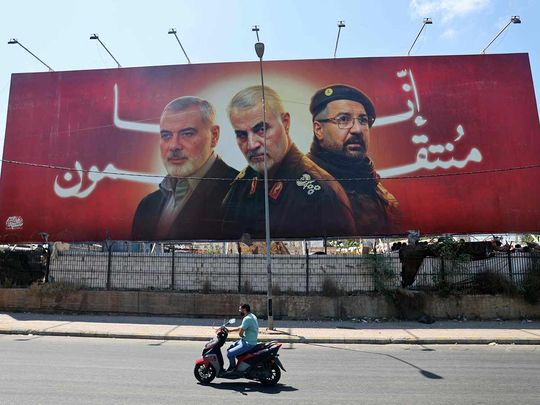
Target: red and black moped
260, 363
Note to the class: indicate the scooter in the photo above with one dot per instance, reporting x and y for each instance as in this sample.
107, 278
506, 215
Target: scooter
260, 363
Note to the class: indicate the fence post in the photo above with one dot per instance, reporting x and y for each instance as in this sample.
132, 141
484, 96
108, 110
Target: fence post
109, 266
443, 275
172, 267
239, 267
510, 265
47, 263
307, 267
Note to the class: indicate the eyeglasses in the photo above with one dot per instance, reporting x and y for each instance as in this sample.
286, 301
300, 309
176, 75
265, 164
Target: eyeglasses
346, 121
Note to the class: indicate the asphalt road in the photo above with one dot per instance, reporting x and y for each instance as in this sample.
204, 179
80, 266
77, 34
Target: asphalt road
63, 370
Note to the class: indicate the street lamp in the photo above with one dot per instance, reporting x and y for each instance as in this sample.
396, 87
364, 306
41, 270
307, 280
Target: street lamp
340, 24
95, 36
13, 41
259, 49
256, 30
513, 20
427, 21
173, 32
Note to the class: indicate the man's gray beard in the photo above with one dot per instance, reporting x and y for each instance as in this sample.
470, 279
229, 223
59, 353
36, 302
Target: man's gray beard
259, 166
184, 170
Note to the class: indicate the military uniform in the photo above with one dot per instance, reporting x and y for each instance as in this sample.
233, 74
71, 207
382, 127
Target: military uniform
304, 207
375, 209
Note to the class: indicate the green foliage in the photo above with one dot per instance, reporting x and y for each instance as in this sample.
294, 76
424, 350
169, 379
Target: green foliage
488, 282
449, 249
383, 274
531, 282
530, 238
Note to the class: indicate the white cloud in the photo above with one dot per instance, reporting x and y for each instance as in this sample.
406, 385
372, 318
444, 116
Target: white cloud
447, 10
450, 33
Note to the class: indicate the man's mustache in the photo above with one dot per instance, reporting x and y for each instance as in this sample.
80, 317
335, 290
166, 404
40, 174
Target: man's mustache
176, 154
355, 140
256, 152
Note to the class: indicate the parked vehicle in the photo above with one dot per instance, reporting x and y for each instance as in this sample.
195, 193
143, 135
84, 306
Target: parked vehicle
261, 363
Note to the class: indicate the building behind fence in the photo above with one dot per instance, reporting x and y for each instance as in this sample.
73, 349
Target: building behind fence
302, 274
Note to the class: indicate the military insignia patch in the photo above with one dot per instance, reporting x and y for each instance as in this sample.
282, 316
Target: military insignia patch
308, 184
253, 186
276, 190
328, 92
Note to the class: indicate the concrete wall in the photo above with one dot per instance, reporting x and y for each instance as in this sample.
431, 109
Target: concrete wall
291, 307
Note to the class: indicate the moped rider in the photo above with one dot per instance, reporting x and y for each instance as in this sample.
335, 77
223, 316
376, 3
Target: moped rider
248, 331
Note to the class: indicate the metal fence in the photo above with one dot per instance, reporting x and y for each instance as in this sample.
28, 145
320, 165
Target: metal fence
291, 274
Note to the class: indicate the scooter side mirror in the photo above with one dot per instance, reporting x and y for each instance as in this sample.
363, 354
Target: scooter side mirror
232, 321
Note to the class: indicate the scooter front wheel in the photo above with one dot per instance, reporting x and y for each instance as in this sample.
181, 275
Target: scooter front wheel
204, 373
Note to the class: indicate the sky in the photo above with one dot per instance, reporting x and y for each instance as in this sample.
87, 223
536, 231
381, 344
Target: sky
212, 31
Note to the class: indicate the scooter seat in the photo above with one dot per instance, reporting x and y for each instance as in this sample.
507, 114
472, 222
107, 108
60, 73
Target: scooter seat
256, 348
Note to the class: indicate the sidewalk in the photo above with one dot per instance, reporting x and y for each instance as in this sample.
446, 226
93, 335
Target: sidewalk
361, 331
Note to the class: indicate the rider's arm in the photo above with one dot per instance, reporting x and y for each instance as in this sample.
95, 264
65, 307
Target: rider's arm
234, 329
239, 330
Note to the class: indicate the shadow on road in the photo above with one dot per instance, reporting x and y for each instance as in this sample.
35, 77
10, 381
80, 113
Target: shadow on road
425, 373
247, 387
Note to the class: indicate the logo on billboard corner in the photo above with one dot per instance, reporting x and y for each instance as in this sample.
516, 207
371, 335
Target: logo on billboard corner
14, 222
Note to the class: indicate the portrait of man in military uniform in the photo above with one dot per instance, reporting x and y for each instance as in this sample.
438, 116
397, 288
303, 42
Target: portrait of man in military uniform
188, 202
304, 200
342, 120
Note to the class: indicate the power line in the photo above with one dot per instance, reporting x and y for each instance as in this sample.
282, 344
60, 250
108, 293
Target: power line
425, 176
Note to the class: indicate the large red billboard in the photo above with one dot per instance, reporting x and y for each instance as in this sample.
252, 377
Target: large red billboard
354, 147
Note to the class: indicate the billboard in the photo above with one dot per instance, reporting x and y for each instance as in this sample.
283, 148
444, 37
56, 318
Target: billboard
354, 147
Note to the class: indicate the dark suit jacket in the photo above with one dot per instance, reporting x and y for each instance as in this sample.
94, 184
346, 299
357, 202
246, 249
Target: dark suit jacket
200, 219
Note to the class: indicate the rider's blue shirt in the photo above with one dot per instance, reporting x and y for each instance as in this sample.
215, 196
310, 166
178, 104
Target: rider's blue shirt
251, 328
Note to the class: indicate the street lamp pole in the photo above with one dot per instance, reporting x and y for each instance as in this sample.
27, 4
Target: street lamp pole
426, 21
15, 41
173, 31
95, 36
259, 49
340, 24
514, 19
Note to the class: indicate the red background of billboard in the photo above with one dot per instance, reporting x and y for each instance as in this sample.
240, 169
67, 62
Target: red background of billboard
57, 118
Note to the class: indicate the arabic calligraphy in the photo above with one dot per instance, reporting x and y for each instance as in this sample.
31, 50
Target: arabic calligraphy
422, 162
94, 176
422, 155
130, 125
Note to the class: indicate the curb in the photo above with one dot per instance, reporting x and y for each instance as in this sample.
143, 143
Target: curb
289, 340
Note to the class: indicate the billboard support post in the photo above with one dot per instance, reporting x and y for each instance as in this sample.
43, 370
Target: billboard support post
108, 285
239, 267
172, 267
307, 266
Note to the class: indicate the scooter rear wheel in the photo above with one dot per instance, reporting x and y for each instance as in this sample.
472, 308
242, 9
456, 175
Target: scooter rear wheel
204, 373
273, 377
